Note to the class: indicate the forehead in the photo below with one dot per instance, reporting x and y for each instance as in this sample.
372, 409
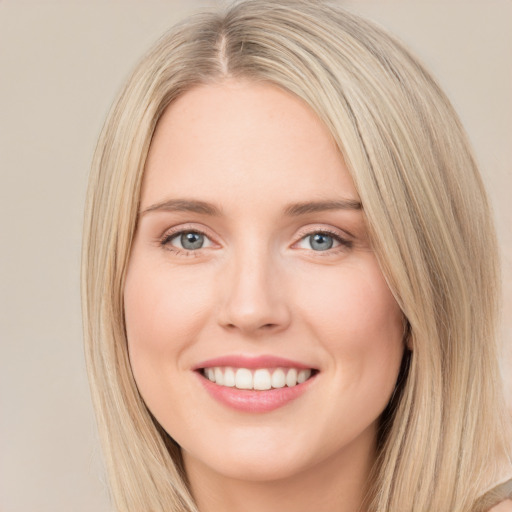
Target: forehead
244, 140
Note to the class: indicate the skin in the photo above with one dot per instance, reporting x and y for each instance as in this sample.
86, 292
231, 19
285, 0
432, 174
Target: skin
504, 506
257, 286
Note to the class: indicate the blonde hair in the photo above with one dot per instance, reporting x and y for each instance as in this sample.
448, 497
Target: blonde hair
426, 211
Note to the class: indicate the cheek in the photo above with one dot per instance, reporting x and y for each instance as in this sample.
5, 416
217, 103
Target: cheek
351, 300
164, 313
160, 305
358, 321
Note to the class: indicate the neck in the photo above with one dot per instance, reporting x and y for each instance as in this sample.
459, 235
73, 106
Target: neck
337, 483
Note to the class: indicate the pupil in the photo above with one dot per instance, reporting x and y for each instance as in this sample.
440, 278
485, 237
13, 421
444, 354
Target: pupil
321, 242
191, 241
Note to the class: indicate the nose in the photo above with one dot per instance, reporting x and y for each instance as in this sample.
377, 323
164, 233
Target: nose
253, 295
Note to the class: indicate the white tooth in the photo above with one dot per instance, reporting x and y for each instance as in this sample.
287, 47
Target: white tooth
219, 377
210, 374
278, 379
262, 380
291, 377
243, 378
303, 376
229, 377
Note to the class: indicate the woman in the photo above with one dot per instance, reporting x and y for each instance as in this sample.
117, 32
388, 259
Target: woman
290, 276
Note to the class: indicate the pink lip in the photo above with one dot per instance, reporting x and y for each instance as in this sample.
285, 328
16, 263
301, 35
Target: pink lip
253, 401
251, 362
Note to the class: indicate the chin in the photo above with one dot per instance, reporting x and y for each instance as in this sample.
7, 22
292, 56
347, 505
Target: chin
257, 463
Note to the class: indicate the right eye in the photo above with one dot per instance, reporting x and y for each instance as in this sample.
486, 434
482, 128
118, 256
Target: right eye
187, 240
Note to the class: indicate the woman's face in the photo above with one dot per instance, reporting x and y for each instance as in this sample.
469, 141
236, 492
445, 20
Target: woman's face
252, 266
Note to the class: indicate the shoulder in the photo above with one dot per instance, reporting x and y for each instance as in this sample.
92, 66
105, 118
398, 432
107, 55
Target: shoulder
497, 499
504, 506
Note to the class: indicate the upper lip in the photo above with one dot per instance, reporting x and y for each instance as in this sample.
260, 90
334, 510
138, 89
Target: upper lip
252, 362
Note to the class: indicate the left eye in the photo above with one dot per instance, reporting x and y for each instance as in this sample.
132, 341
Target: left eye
319, 242
189, 240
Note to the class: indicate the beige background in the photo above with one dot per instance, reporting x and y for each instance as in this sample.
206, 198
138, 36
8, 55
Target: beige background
61, 63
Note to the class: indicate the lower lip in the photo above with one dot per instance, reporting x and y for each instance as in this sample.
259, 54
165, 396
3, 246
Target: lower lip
247, 400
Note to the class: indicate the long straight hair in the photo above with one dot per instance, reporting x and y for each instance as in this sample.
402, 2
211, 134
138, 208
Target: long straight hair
426, 210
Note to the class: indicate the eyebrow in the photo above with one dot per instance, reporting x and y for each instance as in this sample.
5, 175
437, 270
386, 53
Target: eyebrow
297, 209
292, 210
184, 205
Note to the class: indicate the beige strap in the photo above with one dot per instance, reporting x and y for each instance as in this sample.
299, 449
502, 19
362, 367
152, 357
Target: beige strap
493, 497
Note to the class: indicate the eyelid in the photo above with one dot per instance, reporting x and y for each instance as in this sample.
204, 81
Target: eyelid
340, 236
304, 239
319, 228
176, 236
174, 231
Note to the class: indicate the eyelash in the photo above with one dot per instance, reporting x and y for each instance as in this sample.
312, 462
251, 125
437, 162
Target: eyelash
166, 239
344, 244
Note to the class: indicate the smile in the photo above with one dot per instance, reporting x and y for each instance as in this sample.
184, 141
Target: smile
255, 384
259, 379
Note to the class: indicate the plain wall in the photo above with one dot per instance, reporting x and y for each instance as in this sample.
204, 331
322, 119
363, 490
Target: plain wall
61, 64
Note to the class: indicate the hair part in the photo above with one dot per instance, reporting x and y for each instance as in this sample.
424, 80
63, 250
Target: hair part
426, 211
